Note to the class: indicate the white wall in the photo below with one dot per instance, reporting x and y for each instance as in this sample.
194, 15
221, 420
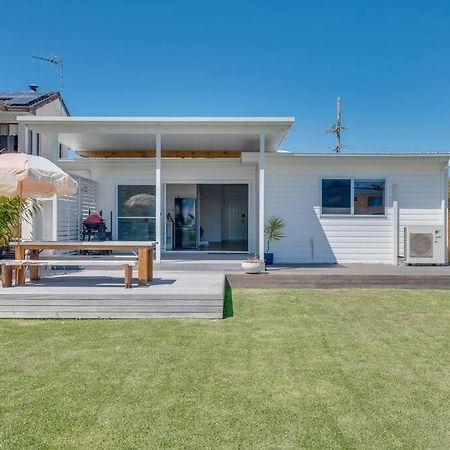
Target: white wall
49, 142
293, 192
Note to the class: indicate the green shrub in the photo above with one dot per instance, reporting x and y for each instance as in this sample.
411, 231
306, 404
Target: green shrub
10, 212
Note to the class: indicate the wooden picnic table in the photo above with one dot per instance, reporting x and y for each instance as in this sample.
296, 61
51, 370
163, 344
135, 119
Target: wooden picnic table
144, 252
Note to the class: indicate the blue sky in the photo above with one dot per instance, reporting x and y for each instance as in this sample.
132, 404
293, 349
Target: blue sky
388, 60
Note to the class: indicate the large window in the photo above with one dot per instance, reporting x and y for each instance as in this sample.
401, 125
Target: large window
353, 197
369, 197
336, 196
136, 212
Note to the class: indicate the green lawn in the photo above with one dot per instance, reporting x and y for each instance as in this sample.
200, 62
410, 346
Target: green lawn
294, 368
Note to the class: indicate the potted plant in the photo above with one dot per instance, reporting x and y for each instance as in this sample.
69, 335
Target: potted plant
253, 264
273, 232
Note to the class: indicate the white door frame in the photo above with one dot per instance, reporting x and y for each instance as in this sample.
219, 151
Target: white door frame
251, 219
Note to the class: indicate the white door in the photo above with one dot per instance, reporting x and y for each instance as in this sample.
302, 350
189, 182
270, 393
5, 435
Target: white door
237, 219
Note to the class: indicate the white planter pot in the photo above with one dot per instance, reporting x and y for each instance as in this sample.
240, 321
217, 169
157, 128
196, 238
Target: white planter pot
252, 266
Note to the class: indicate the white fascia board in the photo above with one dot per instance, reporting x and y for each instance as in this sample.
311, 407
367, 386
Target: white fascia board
163, 120
288, 153
276, 127
444, 157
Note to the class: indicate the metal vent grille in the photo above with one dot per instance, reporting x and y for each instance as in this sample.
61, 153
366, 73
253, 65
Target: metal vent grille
421, 245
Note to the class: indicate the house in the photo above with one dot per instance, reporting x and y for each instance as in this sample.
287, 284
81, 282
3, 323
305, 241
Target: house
210, 183
32, 102
14, 136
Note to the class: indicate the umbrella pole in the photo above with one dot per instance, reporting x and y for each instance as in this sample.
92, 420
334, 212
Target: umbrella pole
20, 214
20, 272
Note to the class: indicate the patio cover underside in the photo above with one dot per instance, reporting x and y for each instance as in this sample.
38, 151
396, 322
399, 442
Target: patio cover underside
137, 137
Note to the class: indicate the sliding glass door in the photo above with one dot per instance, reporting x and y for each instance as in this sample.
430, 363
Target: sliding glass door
136, 206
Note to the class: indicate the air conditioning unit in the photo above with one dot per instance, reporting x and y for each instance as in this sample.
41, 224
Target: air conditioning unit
425, 244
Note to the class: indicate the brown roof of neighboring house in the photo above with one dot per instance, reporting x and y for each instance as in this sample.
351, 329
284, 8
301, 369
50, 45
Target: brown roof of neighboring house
28, 101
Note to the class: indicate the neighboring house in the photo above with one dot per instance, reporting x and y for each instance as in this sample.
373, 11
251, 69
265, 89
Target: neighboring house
15, 137
32, 102
209, 184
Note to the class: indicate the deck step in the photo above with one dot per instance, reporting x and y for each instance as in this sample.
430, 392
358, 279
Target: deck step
90, 295
109, 315
21, 308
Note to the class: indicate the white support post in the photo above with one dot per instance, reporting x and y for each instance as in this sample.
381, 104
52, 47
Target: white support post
25, 140
163, 217
261, 196
395, 231
158, 198
444, 207
25, 229
395, 225
55, 218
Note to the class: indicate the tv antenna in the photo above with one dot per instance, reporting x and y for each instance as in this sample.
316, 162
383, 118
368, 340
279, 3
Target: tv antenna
337, 127
58, 62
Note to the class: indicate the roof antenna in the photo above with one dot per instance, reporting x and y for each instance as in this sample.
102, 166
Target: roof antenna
337, 127
57, 61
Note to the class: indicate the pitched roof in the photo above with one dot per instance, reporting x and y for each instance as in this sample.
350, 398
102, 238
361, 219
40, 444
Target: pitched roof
27, 101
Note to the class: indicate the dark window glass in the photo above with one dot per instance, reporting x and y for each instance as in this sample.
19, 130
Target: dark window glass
136, 201
336, 196
30, 142
136, 212
3, 142
369, 197
13, 143
133, 229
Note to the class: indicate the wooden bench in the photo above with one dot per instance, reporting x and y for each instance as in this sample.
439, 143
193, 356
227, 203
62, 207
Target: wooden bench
8, 267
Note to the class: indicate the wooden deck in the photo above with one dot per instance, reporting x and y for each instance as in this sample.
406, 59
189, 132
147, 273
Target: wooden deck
100, 294
345, 276
338, 281
192, 288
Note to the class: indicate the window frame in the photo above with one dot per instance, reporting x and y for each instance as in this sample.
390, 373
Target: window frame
352, 198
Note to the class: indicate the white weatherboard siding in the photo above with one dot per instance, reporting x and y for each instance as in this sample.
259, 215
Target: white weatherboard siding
293, 192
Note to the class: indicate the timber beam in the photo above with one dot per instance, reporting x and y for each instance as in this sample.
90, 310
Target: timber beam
164, 154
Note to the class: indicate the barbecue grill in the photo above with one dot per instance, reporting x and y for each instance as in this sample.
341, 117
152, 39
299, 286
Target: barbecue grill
94, 228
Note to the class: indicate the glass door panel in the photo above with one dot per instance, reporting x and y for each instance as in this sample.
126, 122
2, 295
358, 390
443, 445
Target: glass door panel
136, 212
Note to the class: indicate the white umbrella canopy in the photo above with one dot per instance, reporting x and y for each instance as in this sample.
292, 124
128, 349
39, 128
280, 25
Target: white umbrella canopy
33, 176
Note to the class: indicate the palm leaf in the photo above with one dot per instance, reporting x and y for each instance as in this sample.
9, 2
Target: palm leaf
274, 230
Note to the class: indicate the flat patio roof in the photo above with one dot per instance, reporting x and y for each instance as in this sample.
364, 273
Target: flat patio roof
94, 134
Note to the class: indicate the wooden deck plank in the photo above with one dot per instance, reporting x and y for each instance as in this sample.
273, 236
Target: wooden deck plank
338, 281
109, 315
75, 309
108, 302
91, 294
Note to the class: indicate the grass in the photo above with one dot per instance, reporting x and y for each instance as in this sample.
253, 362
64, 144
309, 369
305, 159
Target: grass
291, 369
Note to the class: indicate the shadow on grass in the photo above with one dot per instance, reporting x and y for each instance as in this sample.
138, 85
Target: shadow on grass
228, 301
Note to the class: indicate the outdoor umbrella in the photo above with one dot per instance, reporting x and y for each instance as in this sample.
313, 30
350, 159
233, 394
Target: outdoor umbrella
29, 176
